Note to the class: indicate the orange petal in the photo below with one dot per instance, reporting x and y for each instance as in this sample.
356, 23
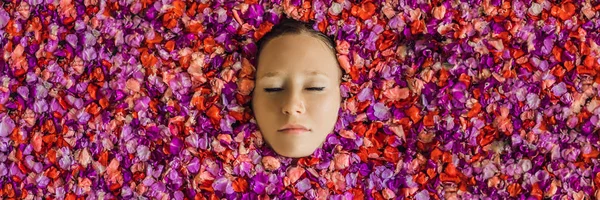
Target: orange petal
466, 79
148, 60
485, 139
157, 39
559, 71
421, 178
115, 186
178, 7
198, 102
589, 61
593, 154
597, 178
569, 46
397, 93
308, 161
439, 12
237, 115
372, 130
195, 27
536, 191
104, 103
93, 109
514, 189
170, 45
92, 89
428, 119
431, 172
569, 65
476, 109
359, 129
49, 127
447, 157
584, 70
417, 26
106, 63
444, 177
443, 77
247, 68
557, 52
436, 154
566, 11
262, 30
245, 86
413, 113
367, 10
344, 63
391, 154
214, 114
240, 185
71, 196
451, 170
209, 43
103, 158
323, 25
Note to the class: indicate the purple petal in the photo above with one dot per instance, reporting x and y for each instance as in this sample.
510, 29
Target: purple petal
423, 195
6, 125
382, 112
303, 185
559, 89
4, 17
365, 94
224, 185
194, 165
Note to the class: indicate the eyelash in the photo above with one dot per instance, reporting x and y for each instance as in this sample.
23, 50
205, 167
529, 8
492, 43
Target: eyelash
279, 89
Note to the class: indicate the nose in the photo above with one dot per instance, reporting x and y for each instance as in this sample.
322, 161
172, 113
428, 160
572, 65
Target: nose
294, 106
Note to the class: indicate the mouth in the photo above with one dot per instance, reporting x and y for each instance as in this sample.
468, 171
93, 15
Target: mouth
294, 131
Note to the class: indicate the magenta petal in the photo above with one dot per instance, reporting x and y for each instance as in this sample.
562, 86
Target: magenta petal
175, 146
194, 165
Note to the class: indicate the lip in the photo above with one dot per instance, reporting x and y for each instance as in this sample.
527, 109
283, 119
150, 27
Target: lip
294, 131
293, 128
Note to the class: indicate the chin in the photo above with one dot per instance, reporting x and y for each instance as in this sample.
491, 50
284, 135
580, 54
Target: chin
295, 155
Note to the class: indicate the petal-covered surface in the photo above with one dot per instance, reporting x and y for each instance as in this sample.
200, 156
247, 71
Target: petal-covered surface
442, 100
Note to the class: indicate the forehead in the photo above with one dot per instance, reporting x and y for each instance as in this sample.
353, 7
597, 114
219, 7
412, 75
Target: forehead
306, 72
297, 53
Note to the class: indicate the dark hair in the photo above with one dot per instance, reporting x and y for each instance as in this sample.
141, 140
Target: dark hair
291, 26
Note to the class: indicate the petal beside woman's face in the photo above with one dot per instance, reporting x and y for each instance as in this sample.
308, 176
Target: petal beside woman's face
297, 82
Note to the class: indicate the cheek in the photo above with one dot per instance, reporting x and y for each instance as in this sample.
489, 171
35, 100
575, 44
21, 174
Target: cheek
325, 103
324, 111
264, 109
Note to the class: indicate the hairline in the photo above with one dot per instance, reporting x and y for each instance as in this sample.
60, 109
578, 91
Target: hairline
324, 40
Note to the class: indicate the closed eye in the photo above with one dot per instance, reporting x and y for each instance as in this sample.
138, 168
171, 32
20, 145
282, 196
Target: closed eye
273, 89
279, 89
316, 88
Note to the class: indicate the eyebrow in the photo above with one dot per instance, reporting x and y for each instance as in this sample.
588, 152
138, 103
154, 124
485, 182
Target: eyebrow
269, 74
307, 72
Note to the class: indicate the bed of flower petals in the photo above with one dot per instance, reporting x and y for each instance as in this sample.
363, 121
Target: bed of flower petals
466, 99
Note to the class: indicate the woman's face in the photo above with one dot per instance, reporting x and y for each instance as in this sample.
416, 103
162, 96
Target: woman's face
297, 82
